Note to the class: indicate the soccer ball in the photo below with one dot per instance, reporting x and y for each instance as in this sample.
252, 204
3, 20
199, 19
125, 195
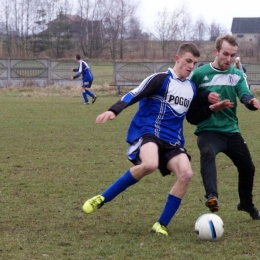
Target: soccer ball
209, 227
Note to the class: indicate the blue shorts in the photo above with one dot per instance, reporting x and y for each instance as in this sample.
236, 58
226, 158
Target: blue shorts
166, 152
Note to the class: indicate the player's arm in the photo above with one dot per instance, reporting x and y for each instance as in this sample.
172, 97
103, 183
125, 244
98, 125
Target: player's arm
220, 105
148, 87
245, 95
73, 70
79, 70
250, 102
204, 105
199, 108
76, 76
108, 115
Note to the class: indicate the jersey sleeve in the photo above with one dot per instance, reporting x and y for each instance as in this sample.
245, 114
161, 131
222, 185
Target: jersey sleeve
199, 108
243, 92
245, 100
148, 87
79, 70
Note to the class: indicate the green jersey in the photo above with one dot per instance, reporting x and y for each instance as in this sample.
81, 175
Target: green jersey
229, 84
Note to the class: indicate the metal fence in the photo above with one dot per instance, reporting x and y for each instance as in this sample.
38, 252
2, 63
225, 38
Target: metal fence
132, 73
43, 72
253, 73
127, 74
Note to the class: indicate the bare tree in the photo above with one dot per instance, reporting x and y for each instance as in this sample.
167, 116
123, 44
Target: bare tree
91, 27
52, 8
185, 23
127, 11
117, 22
166, 28
67, 6
144, 44
111, 26
96, 29
134, 31
215, 30
199, 30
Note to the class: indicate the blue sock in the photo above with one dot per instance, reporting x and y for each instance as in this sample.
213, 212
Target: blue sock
89, 93
84, 94
171, 206
119, 185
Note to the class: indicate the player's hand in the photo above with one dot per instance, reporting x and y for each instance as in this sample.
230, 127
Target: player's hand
71, 78
226, 103
102, 118
71, 69
213, 97
254, 102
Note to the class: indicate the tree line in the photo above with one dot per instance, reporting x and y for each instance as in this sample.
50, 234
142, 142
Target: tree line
108, 29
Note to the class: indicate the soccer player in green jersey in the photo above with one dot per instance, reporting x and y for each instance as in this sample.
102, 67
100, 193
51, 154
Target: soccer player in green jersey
219, 132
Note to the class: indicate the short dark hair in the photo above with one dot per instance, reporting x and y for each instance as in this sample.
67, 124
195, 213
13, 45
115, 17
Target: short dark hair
188, 47
227, 37
78, 57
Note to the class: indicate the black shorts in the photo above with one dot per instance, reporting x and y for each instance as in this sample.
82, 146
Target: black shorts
166, 152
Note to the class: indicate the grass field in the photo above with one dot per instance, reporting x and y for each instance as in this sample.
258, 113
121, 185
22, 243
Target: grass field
54, 157
103, 72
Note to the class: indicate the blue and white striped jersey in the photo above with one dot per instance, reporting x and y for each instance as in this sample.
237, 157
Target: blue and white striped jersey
164, 100
84, 69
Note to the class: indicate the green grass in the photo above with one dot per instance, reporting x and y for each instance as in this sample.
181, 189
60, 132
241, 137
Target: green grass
102, 71
54, 157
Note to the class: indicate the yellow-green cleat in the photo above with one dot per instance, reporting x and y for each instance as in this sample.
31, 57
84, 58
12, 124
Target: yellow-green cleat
159, 229
93, 204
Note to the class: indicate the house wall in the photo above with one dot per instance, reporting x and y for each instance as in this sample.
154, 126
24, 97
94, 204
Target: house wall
247, 37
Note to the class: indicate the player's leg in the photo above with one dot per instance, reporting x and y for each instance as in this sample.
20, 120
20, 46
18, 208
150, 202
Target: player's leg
149, 159
210, 144
84, 95
181, 167
148, 156
239, 153
87, 85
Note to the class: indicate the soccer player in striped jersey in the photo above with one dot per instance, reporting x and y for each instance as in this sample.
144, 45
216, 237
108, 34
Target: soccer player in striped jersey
87, 79
155, 135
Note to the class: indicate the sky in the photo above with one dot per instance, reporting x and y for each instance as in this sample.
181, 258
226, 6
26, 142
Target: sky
219, 11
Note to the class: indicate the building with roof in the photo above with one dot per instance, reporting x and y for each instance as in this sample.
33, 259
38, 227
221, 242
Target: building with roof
74, 25
246, 29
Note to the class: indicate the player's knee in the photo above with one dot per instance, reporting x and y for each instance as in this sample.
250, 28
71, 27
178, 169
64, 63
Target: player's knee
149, 167
253, 169
185, 177
247, 170
206, 152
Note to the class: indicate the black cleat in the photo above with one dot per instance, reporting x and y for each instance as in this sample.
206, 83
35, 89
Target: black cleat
94, 99
253, 212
